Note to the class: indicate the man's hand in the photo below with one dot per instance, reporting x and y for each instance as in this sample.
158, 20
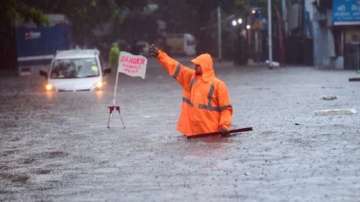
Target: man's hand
224, 132
153, 51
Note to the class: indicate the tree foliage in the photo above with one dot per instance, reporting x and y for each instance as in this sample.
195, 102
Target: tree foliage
123, 17
11, 10
84, 15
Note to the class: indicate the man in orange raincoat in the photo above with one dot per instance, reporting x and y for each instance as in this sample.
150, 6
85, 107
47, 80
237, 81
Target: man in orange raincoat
206, 105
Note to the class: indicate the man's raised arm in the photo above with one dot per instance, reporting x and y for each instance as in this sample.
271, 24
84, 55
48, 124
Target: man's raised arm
174, 68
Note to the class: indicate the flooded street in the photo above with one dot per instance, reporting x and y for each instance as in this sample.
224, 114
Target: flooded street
56, 147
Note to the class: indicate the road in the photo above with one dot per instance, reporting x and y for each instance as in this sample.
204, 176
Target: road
56, 147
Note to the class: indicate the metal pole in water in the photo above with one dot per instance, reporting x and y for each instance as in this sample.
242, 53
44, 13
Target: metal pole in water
115, 87
270, 34
219, 34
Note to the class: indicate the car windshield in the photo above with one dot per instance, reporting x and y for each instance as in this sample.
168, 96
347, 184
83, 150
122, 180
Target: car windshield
74, 68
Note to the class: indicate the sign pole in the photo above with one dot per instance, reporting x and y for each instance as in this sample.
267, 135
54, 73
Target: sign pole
115, 88
114, 106
129, 64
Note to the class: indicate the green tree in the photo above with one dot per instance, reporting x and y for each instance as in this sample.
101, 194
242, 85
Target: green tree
89, 15
12, 10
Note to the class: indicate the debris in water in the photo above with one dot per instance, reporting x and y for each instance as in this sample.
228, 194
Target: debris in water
15, 178
354, 79
328, 98
327, 112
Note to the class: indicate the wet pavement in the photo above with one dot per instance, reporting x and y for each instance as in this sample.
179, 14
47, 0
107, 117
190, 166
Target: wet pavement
56, 147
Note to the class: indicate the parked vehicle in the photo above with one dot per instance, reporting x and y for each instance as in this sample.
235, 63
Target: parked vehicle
181, 44
141, 47
37, 45
75, 70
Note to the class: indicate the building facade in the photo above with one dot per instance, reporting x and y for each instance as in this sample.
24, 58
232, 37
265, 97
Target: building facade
336, 32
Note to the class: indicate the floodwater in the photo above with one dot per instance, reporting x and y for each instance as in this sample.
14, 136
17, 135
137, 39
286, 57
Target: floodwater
56, 147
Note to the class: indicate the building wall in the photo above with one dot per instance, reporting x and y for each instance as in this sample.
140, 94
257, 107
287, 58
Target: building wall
336, 45
324, 42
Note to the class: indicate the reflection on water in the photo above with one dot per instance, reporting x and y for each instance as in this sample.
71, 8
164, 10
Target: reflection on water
50, 95
99, 94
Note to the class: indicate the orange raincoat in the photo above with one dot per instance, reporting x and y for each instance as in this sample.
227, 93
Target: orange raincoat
205, 104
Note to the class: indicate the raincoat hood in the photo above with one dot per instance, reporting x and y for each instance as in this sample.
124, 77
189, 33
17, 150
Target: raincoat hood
206, 64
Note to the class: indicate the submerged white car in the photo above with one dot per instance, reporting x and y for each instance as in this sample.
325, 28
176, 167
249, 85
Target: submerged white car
75, 70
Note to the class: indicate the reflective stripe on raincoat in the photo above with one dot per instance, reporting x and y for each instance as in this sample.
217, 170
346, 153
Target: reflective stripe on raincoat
206, 104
